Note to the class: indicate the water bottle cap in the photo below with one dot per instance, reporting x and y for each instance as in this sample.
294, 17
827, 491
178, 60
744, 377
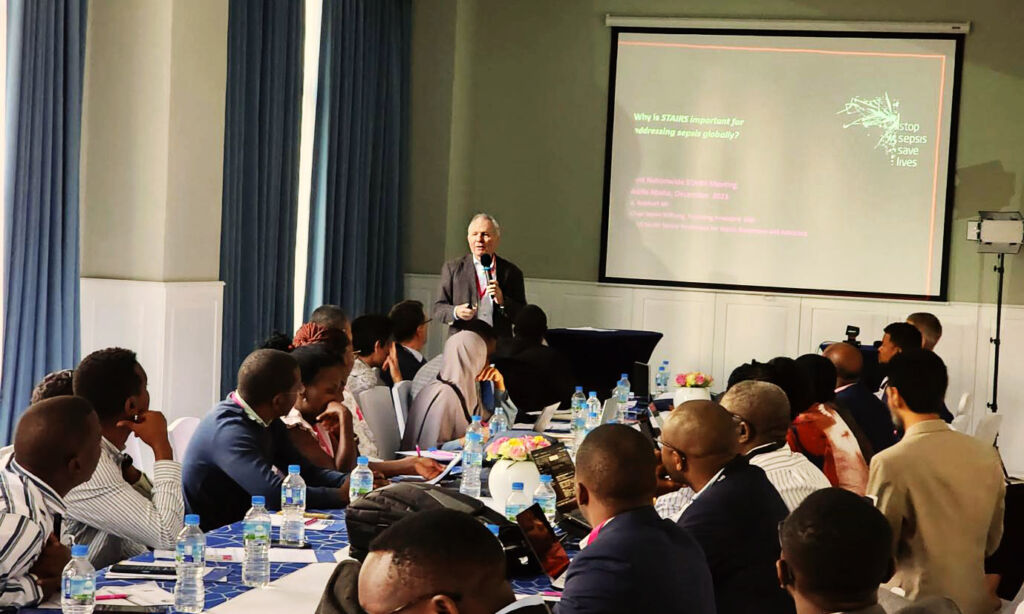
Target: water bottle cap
473, 437
362, 460
258, 500
545, 479
192, 520
477, 418
294, 469
625, 376
79, 550
493, 528
593, 394
661, 368
517, 485
579, 388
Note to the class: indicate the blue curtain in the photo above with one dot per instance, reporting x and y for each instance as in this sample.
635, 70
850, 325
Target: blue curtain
261, 172
358, 159
45, 53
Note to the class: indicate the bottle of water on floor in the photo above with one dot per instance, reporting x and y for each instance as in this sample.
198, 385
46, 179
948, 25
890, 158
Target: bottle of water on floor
546, 498
472, 462
78, 583
499, 421
621, 398
256, 539
293, 507
579, 402
593, 405
360, 483
190, 560
517, 501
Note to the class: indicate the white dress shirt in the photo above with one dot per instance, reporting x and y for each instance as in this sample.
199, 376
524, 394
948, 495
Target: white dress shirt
790, 473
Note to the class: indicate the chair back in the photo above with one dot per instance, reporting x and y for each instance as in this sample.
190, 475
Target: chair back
142, 454
961, 424
379, 412
180, 433
961, 407
988, 428
401, 394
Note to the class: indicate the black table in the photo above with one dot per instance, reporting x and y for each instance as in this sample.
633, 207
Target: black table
599, 358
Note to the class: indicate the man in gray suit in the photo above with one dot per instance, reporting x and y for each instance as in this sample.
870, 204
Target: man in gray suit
941, 491
481, 285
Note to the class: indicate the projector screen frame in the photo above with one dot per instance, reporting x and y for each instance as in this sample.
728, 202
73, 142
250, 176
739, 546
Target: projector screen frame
954, 32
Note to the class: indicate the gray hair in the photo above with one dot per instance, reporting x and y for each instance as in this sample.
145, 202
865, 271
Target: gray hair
489, 218
757, 401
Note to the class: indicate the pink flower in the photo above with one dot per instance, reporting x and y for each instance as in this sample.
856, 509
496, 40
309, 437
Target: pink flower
700, 379
517, 452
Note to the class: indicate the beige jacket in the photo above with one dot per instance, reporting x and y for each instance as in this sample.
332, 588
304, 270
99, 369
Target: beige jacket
943, 494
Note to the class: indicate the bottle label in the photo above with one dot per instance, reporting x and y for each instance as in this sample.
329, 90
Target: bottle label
79, 590
472, 458
256, 532
193, 553
293, 496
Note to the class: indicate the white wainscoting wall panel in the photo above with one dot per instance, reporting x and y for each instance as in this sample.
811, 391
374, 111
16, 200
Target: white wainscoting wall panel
174, 327
716, 331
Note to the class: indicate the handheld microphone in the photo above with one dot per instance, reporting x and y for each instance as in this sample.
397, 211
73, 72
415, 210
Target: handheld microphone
486, 261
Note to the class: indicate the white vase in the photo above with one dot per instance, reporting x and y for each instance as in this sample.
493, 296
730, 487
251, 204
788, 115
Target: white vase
690, 394
504, 472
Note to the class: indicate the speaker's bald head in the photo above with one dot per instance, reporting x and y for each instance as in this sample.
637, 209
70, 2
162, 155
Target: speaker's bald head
617, 465
58, 440
702, 429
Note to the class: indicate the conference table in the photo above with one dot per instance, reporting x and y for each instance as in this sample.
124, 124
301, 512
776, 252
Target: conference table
328, 545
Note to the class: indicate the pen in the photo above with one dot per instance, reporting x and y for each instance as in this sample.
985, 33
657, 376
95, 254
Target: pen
550, 594
112, 596
418, 451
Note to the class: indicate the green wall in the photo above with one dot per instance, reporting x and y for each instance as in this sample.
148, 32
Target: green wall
508, 116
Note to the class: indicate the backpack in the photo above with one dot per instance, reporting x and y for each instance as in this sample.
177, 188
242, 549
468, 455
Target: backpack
369, 515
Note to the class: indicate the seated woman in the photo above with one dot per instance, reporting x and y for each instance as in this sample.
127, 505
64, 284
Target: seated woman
442, 411
822, 434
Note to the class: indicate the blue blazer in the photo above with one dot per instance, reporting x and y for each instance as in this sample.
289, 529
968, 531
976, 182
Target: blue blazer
639, 563
736, 522
872, 416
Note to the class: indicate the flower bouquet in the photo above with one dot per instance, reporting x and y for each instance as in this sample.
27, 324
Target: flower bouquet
513, 464
694, 379
515, 448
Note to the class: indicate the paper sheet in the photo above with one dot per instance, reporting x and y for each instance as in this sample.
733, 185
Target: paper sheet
277, 555
441, 456
142, 594
312, 524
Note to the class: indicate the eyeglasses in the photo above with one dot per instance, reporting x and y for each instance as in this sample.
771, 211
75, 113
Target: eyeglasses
456, 597
662, 444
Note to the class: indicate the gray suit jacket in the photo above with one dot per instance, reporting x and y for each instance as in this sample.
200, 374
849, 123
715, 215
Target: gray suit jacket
943, 494
458, 287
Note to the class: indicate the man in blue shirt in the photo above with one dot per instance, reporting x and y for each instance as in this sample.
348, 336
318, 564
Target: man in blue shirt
241, 447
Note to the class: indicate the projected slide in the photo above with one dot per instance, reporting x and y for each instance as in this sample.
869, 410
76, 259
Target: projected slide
804, 163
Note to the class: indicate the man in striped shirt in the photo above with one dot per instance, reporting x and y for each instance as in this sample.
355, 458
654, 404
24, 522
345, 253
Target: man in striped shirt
762, 410
121, 512
56, 447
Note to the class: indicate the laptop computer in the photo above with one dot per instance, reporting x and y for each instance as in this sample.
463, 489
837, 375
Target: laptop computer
544, 544
544, 419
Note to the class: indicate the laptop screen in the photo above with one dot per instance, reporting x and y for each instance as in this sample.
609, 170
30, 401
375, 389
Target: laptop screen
542, 541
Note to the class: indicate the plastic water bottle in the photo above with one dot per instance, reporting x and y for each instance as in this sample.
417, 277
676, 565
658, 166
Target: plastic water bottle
661, 381
360, 483
293, 506
593, 421
621, 398
78, 583
256, 537
517, 501
499, 421
579, 402
190, 559
476, 426
546, 498
472, 462
593, 405
578, 429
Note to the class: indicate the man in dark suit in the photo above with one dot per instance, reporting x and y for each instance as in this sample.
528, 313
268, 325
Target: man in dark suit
468, 290
870, 414
634, 561
410, 330
735, 512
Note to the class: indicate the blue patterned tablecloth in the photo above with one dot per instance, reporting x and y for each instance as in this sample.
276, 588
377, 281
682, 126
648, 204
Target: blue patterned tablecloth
324, 542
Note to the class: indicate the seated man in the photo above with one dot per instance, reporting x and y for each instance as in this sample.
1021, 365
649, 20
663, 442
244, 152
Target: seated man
120, 512
535, 375
439, 561
836, 550
374, 346
332, 316
56, 447
763, 412
735, 510
241, 448
941, 491
869, 413
410, 326
634, 561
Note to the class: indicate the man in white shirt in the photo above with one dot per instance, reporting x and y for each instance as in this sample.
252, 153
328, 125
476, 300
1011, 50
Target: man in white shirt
470, 289
121, 512
56, 447
762, 410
